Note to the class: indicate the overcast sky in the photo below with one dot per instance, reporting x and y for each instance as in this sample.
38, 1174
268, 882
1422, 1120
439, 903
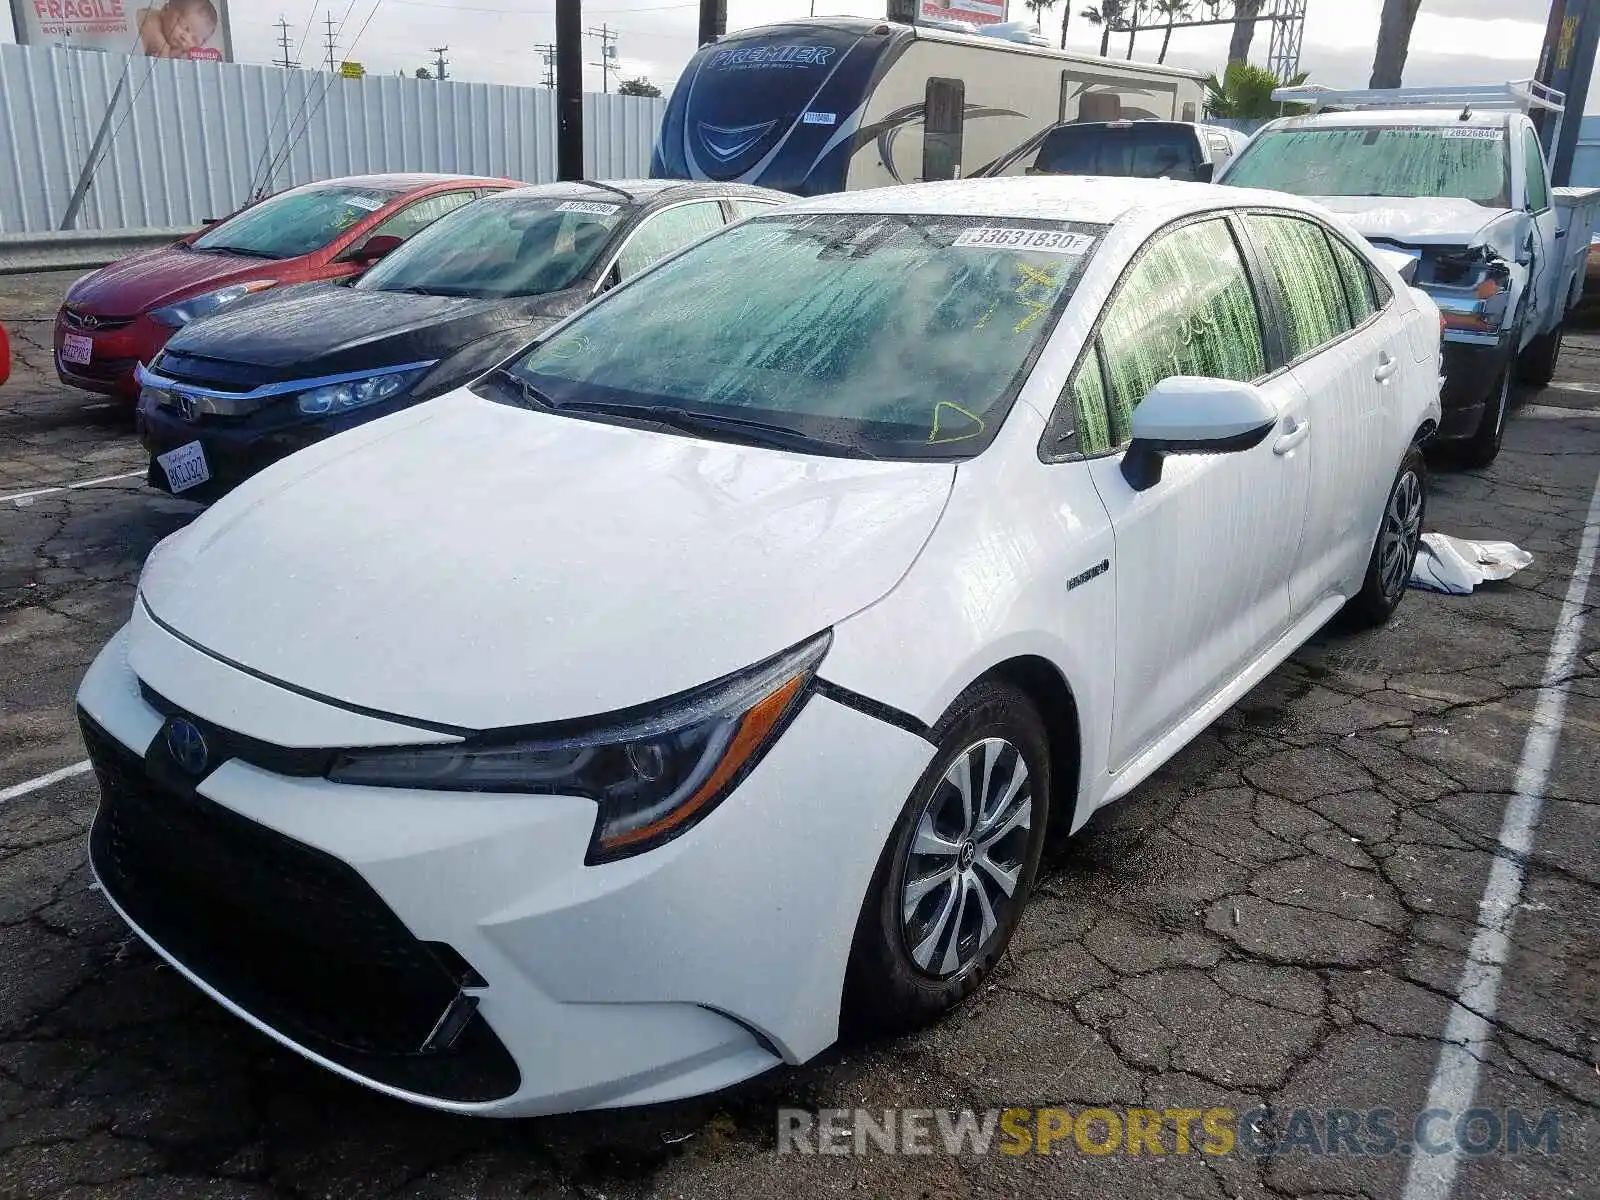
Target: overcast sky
1455, 41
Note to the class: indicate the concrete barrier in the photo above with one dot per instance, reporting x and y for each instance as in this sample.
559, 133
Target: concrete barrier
77, 248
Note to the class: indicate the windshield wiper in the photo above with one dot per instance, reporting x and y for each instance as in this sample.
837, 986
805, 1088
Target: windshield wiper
242, 250
748, 429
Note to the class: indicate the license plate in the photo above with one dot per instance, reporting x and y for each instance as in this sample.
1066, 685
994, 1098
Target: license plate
185, 466
75, 348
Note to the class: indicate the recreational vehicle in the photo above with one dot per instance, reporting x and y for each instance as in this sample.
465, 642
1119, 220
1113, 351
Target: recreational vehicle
829, 104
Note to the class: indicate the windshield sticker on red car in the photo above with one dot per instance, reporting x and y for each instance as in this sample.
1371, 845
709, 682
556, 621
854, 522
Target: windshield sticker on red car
1043, 241
369, 203
593, 207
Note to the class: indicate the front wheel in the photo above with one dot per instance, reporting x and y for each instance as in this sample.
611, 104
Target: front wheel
959, 866
1483, 447
1394, 553
1536, 365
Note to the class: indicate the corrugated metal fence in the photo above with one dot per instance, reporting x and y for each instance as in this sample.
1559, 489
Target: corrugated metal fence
192, 140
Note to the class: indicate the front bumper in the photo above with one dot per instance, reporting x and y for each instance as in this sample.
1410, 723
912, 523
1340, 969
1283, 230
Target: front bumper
1472, 373
238, 448
116, 355
677, 972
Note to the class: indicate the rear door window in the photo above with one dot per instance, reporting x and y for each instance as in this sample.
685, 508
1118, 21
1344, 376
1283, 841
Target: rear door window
1301, 263
667, 231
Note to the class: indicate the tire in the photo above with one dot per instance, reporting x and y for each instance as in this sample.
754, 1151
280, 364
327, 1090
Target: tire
1394, 550
1483, 447
903, 971
1536, 365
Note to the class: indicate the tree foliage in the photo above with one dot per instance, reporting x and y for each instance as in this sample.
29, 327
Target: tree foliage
637, 87
1245, 92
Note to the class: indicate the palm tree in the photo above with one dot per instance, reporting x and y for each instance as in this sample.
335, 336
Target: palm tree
1140, 7
1174, 11
1244, 29
1039, 7
1066, 15
1245, 92
1107, 15
1394, 39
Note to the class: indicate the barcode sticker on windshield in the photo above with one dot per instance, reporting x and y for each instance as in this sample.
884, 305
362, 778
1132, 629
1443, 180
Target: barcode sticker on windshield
1475, 132
364, 202
1045, 241
593, 207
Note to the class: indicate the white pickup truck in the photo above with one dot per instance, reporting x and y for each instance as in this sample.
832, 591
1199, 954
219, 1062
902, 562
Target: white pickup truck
1454, 178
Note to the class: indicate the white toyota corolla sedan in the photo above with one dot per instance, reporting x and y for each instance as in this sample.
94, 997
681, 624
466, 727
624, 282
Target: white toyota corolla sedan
704, 681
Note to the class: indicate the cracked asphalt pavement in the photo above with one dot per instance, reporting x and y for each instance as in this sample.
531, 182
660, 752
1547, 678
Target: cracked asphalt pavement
1279, 918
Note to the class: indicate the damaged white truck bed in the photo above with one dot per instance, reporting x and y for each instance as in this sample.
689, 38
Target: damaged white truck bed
1456, 179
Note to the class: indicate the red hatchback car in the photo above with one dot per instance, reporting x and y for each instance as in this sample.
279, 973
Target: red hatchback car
122, 315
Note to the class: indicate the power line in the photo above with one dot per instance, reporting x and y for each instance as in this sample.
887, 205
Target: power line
608, 54
439, 60
543, 12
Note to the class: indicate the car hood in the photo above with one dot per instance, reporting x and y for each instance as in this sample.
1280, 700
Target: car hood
319, 329
140, 282
1415, 221
474, 564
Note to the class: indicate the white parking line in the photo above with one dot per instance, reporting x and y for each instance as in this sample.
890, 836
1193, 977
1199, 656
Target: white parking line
44, 781
67, 487
1470, 1026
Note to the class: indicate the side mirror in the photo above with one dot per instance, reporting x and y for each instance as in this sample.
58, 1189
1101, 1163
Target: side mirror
1187, 414
1205, 172
374, 248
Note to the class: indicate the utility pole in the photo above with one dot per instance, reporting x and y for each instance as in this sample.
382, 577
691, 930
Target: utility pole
608, 54
439, 60
569, 89
283, 41
547, 50
333, 42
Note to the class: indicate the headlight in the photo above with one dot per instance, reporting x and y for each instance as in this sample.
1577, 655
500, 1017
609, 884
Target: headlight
356, 393
654, 773
180, 314
1471, 288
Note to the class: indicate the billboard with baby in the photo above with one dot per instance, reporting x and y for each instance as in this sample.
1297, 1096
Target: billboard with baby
155, 28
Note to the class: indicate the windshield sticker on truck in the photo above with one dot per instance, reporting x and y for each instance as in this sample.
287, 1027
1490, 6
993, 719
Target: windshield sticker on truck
592, 207
1476, 133
1044, 241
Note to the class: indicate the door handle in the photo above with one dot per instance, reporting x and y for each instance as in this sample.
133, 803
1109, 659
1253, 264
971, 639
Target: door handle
1386, 366
1297, 429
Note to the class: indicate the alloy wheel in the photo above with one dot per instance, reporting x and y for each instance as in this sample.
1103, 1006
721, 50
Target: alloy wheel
1402, 532
965, 857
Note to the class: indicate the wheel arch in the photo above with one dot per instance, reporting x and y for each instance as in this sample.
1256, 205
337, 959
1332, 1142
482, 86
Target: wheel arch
1042, 682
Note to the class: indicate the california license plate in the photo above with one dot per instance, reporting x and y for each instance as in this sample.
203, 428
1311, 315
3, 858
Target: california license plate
75, 348
185, 466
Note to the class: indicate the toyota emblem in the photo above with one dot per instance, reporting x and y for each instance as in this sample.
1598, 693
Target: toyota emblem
88, 321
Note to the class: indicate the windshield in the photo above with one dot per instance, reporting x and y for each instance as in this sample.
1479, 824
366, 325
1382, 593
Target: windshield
294, 223
1464, 162
889, 336
1140, 150
499, 247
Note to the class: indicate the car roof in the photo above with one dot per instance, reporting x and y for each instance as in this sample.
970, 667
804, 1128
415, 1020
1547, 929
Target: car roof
409, 181
1489, 118
1095, 199
642, 191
